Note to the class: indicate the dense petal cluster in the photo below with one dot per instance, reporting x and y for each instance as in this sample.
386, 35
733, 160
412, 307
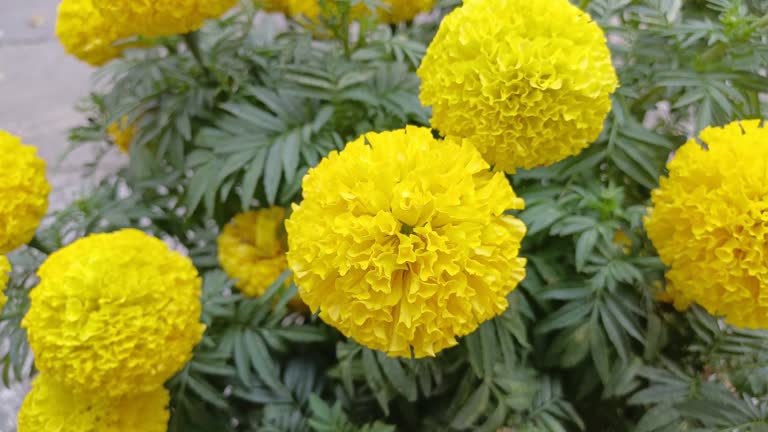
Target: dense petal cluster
154, 18
402, 241
527, 81
252, 249
85, 34
5, 271
114, 313
393, 11
122, 133
23, 192
51, 406
709, 223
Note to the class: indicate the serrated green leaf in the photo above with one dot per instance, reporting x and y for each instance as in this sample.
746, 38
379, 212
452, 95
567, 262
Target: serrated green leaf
273, 173
474, 407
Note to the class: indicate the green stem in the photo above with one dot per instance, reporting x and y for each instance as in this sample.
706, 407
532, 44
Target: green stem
762, 22
192, 40
714, 53
717, 51
11, 316
38, 245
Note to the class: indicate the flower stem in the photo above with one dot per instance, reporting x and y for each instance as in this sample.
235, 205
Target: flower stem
39, 246
192, 40
762, 22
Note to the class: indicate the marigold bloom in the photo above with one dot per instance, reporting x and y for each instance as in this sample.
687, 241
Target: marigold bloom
294, 8
23, 192
122, 133
115, 314
404, 10
252, 249
527, 81
154, 18
85, 34
402, 242
709, 222
5, 271
52, 407
395, 11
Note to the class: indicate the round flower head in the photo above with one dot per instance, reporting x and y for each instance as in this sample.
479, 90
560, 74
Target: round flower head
294, 8
5, 271
252, 249
50, 406
310, 11
86, 35
527, 81
23, 192
402, 242
115, 314
404, 10
154, 18
395, 11
709, 222
122, 133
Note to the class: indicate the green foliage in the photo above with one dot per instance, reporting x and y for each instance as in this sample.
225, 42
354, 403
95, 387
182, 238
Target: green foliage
585, 344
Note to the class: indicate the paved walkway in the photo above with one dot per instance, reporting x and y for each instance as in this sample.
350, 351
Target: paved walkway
39, 86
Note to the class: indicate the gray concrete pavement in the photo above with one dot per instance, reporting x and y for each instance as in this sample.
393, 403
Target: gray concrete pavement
39, 87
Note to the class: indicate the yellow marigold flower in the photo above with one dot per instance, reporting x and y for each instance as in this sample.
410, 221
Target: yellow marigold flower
86, 35
5, 271
161, 17
709, 222
252, 249
115, 314
395, 11
402, 242
51, 406
23, 192
527, 81
122, 133
294, 8
404, 10
309, 11
621, 239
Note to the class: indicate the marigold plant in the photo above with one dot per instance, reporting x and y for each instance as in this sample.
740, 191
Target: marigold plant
490, 232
